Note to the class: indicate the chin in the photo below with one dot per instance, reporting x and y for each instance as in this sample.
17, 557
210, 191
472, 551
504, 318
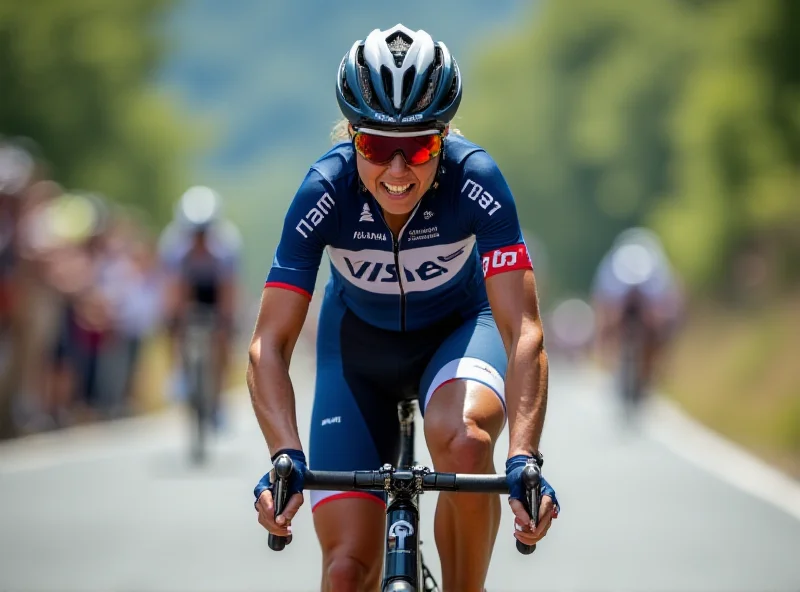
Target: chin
401, 208
398, 207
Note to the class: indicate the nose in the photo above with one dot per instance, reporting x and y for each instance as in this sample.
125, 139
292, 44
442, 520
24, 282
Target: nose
398, 165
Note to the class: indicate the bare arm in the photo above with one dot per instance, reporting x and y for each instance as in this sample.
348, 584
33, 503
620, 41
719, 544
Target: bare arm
515, 307
278, 326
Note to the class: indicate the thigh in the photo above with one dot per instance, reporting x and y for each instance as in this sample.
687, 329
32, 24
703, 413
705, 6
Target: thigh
473, 352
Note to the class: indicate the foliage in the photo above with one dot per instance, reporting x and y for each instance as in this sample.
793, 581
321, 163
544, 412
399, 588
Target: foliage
75, 77
681, 114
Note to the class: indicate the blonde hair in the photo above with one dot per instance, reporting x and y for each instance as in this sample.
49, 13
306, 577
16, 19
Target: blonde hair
343, 132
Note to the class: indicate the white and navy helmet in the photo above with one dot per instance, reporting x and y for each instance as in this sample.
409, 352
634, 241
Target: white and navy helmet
399, 79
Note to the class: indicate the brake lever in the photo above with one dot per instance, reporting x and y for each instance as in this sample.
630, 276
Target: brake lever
282, 469
532, 480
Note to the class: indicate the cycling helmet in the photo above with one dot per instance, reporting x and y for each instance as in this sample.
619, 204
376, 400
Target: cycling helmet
198, 208
636, 256
399, 79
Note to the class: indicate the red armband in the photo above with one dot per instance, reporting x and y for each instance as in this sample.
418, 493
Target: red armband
505, 259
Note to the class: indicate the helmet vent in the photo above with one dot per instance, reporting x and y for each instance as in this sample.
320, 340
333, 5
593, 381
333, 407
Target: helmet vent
426, 99
398, 45
347, 92
451, 94
388, 82
366, 85
408, 81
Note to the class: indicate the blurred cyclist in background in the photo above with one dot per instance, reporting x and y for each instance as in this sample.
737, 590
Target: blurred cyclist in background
200, 251
636, 297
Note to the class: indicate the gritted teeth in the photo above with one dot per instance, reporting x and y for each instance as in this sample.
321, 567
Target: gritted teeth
397, 189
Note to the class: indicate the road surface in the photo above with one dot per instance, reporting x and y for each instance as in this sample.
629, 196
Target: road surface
116, 507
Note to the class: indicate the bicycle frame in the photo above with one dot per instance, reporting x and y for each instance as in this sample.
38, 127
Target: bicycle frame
403, 564
197, 353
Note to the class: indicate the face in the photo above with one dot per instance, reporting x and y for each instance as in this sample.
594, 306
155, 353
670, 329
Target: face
396, 185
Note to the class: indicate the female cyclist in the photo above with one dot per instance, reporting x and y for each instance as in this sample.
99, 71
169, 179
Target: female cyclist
431, 295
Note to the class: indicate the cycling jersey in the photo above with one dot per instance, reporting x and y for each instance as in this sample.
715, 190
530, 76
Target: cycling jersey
463, 229
204, 272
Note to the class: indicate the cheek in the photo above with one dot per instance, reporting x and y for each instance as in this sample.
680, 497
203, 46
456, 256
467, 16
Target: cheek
426, 173
368, 172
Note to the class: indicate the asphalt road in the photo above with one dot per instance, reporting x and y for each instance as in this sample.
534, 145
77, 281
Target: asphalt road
116, 507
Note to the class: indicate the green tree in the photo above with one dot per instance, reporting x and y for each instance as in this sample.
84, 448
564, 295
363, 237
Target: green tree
680, 114
736, 138
76, 78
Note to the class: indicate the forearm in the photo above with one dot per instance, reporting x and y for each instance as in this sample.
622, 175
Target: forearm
526, 392
272, 396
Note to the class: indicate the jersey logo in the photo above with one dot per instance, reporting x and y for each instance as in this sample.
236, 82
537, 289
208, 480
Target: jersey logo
315, 215
423, 233
451, 256
366, 215
420, 269
427, 215
361, 235
506, 259
483, 198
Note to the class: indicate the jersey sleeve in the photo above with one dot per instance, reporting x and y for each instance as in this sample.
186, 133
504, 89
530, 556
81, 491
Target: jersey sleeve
310, 219
489, 209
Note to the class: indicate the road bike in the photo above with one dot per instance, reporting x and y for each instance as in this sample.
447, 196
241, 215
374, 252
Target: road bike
404, 568
198, 344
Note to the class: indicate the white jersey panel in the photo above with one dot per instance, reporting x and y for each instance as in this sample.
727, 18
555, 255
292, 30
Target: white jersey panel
423, 268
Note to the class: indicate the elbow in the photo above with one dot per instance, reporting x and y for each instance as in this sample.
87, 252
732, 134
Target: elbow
254, 352
535, 340
253, 355
529, 338
265, 350
252, 363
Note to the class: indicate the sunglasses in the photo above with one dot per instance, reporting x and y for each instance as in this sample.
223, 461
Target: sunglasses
379, 147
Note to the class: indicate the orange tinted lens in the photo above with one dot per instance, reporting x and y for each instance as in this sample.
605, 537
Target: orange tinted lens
421, 149
381, 149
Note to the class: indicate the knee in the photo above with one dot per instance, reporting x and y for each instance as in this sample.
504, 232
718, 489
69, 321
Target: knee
464, 448
344, 572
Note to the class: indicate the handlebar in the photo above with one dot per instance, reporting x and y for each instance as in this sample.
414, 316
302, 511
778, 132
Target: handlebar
283, 468
532, 479
410, 481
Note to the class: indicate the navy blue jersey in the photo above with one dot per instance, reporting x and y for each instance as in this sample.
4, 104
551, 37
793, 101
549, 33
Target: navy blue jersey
461, 231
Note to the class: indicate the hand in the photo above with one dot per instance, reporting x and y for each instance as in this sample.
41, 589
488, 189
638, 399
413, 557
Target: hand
265, 503
548, 508
280, 525
523, 525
